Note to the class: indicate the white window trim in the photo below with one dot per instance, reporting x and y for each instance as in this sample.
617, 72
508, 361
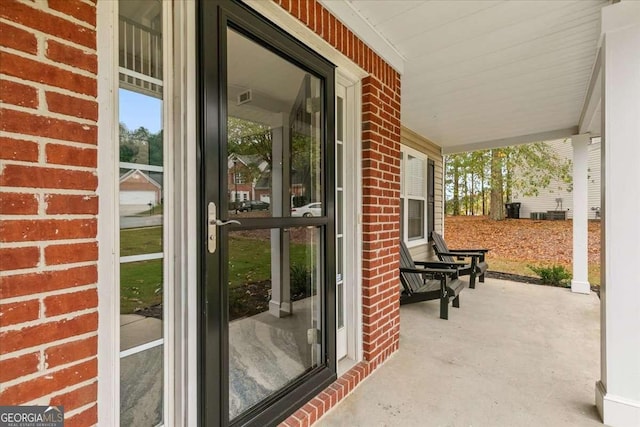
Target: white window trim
407, 151
180, 325
352, 150
108, 192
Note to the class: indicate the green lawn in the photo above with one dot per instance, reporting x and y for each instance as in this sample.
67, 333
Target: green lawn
250, 259
140, 285
141, 282
136, 241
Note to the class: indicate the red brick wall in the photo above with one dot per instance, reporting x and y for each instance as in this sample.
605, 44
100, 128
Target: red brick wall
381, 202
48, 206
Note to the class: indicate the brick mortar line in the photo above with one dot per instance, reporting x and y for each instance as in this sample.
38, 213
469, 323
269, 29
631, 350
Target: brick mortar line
53, 319
18, 217
43, 269
44, 108
51, 166
65, 390
57, 14
48, 88
42, 347
80, 409
45, 191
41, 244
41, 59
47, 371
89, 2
40, 296
47, 398
42, 160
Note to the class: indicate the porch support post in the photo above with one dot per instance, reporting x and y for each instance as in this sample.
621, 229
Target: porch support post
618, 391
580, 281
280, 303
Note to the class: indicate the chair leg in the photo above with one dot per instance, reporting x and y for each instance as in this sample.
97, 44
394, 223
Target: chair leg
482, 278
456, 302
444, 307
472, 280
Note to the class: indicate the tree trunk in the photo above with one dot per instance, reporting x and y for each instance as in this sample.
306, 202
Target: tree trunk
508, 183
484, 196
496, 208
471, 196
456, 190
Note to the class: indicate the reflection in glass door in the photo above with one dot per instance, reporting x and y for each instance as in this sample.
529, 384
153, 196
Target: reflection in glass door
275, 270
141, 201
274, 229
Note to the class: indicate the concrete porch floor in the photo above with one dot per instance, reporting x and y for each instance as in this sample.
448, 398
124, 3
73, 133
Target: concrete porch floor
513, 355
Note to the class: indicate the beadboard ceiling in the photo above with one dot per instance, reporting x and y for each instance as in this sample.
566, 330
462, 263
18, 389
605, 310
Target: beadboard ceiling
477, 74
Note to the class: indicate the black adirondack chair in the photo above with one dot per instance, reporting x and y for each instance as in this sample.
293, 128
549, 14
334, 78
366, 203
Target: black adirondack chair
424, 281
474, 264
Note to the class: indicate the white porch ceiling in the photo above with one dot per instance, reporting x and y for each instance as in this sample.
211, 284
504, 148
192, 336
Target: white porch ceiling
477, 74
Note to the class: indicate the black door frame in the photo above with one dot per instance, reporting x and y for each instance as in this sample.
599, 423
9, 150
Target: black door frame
214, 17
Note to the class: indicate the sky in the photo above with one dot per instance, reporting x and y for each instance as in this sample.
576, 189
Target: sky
138, 110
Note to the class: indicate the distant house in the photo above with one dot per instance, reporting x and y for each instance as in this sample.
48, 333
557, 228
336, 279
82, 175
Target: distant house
245, 171
249, 178
138, 188
557, 196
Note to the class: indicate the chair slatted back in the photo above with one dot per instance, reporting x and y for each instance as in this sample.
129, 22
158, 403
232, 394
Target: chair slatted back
412, 281
440, 246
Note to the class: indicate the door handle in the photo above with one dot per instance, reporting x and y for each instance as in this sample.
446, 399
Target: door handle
221, 223
212, 223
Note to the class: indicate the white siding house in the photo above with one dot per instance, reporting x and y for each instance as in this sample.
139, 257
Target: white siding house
557, 196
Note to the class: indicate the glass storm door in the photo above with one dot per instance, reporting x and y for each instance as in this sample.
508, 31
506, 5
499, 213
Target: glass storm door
267, 207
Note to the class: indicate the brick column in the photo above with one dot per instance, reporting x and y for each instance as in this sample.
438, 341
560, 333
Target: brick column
381, 215
48, 206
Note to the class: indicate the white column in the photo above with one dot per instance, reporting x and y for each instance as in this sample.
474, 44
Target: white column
618, 391
280, 303
580, 281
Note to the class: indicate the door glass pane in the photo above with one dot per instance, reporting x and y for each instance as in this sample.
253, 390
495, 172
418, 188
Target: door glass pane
274, 132
141, 208
274, 311
141, 388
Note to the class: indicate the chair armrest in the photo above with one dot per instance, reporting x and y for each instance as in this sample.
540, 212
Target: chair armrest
440, 264
438, 271
463, 254
469, 250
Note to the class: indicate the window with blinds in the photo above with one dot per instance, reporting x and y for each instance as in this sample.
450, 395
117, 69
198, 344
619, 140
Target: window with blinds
414, 189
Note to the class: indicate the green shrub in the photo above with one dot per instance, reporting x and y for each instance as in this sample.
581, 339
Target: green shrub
556, 275
300, 280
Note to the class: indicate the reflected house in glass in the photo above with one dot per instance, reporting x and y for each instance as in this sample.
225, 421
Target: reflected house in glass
245, 171
138, 188
250, 176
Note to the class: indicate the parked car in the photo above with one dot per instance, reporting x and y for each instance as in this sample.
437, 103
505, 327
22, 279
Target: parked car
312, 209
253, 205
